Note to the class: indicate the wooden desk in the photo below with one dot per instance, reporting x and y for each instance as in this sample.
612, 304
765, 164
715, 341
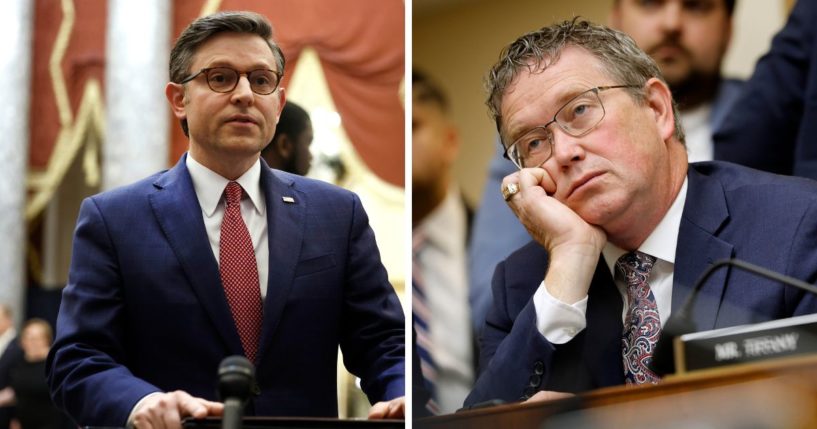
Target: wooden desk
775, 394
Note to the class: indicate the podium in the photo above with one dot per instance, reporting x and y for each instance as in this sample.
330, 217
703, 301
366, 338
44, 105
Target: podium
295, 422
774, 394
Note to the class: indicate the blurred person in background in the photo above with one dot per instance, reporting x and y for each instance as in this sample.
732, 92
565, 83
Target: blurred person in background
28, 389
440, 224
774, 122
10, 353
289, 148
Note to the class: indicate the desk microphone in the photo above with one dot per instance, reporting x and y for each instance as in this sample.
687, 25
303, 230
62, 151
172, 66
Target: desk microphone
236, 376
680, 322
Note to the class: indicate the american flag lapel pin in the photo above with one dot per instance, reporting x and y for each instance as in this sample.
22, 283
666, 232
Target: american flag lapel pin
288, 200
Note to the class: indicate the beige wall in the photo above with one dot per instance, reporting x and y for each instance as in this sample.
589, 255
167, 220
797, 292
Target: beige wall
456, 42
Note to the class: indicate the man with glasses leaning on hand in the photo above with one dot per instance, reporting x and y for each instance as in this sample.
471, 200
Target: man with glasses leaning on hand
221, 256
622, 224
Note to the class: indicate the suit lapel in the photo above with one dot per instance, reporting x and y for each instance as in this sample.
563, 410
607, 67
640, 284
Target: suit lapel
699, 247
285, 225
178, 212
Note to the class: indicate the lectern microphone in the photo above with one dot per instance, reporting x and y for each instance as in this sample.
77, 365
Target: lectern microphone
236, 376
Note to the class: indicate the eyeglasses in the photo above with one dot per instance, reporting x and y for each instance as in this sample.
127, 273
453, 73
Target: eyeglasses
577, 117
225, 79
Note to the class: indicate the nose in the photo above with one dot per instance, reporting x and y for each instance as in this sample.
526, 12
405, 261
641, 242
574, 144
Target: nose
671, 16
567, 149
242, 93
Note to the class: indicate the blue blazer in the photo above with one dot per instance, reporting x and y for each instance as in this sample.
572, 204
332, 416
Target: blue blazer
774, 123
730, 212
144, 309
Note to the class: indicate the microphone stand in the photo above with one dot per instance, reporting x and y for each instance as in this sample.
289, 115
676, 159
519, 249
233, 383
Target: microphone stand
680, 323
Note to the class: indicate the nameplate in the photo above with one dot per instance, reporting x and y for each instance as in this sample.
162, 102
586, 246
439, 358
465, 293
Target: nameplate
747, 343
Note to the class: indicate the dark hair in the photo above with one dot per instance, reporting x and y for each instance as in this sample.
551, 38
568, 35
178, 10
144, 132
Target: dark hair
621, 59
730, 6
425, 90
292, 123
181, 56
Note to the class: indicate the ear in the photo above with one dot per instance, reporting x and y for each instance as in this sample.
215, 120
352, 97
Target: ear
284, 146
175, 95
452, 143
659, 100
727, 37
282, 100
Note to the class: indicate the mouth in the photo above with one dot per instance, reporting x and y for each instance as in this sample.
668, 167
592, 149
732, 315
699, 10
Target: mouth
581, 182
241, 120
668, 51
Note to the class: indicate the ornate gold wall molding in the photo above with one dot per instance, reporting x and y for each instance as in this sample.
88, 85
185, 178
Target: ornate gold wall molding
84, 131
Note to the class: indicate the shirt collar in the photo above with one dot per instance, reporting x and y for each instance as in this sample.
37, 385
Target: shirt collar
209, 185
662, 241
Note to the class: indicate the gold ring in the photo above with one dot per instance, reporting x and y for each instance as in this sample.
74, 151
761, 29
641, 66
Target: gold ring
509, 190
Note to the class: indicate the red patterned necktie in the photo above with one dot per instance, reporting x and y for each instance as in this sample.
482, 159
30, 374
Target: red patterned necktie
642, 325
239, 273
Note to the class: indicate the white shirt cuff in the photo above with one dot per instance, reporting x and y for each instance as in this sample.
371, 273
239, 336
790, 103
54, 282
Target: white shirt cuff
557, 321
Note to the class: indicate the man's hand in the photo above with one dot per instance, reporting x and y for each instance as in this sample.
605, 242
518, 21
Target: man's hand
549, 395
166, 410
549, 221
573, 244
394, 409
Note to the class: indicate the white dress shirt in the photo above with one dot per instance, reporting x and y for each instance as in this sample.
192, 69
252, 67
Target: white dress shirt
559, 322
209, 188
698, 133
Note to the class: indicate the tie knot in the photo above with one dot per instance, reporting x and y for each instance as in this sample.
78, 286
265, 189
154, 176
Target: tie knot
634, 265
233, 192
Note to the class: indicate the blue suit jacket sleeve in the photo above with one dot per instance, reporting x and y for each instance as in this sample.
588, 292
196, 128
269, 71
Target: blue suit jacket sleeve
87, 374
773, 123
514, 355
372, 336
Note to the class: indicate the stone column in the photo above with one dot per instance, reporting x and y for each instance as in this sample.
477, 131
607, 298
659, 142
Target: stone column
16, 29
137, 139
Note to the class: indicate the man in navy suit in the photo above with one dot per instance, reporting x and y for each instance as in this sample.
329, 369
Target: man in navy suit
154, 301
688, 40
623, 224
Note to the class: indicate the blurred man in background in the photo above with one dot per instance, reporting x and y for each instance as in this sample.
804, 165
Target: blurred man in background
10, 353
289, 148
440, 222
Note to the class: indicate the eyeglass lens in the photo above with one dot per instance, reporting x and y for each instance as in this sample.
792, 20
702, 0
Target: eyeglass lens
575, 118
223, 79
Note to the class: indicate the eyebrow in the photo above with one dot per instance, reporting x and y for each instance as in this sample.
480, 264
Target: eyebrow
228, 63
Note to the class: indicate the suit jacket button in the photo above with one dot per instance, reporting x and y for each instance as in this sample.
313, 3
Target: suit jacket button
538, 367
530, 391
535, 380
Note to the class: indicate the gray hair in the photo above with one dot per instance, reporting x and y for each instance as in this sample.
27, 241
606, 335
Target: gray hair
621, 59
181, 57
